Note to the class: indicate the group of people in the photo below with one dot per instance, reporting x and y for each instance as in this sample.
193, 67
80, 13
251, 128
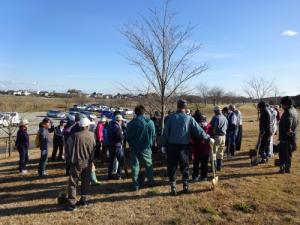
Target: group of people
270, 122
182, 138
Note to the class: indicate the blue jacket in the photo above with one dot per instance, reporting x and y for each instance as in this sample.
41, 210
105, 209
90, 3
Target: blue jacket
220, 124
45, 137
140, 133
180, 128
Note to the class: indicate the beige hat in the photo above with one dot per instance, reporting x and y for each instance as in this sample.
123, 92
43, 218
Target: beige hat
84, 122
119, 118
217, 109
24, 122
103, 119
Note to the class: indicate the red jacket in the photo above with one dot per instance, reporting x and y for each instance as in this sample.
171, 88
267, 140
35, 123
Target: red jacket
202, 147
99, 131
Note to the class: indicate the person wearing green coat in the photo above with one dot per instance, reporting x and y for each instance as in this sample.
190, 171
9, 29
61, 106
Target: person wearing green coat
140, 136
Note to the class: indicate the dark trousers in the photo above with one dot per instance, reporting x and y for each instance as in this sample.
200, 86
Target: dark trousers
264, 147
58, 146
201, 160
43, 162
79, 172
178, 154
231, 147
23, 153
116, 152
97, 154
239, 138
285, 154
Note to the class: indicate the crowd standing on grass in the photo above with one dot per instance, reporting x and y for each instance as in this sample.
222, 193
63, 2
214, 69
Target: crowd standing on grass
80, 142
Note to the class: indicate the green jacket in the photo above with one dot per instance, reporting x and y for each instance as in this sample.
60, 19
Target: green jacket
140, 133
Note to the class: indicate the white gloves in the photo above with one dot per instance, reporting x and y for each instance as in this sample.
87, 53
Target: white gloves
211, 141
163, 150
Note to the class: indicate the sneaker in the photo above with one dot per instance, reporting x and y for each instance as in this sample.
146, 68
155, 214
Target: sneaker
263, 161
24, 172
70, 208
43, 175
81, 203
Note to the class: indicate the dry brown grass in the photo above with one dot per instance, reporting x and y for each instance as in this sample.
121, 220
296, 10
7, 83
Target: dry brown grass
245, 195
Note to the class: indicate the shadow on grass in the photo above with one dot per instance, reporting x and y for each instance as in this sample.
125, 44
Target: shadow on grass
241, 175
36, 209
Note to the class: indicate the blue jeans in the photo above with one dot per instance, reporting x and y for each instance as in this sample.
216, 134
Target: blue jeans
232, 135
116, 152
23, 152
43, 162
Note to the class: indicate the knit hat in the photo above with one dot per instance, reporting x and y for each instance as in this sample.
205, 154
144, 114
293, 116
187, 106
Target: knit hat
181, 104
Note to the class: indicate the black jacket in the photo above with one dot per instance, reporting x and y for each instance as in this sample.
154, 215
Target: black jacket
288, 123
265, 124
58, 135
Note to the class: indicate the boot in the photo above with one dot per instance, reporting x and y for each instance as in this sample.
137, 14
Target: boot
94, 180
219, 164
173, 189
282, 168
185, 187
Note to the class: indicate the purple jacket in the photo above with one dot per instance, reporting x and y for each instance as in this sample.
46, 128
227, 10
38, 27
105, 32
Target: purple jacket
115, 134
22, 141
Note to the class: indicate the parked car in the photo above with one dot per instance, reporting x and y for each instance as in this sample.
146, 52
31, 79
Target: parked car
89, 115
128, 112
71, 115
3, 122
107, 113
56, 114
11, 117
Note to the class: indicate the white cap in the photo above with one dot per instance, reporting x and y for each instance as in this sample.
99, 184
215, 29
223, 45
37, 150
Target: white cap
24, 122
103, 119
84, 122
119, 117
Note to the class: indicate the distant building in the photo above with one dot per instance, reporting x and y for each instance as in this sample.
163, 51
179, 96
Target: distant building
74, 92
44, 93
25, 93
96, 95
107, 96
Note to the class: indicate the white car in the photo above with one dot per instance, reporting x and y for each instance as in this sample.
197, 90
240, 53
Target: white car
11, 117
3, 122
56, 114
128, 112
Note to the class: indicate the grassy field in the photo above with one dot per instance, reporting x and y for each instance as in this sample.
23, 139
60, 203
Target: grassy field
245, 195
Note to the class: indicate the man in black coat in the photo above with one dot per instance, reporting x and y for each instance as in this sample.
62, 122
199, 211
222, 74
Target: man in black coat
58, 141
265, 131
287, 134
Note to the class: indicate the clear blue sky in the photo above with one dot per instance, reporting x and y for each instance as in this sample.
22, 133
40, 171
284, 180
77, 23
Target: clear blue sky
63, 44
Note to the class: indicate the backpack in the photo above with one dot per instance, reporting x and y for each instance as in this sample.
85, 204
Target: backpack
37, 140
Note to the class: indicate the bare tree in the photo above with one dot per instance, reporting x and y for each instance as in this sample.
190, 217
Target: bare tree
162, 53
203, 91
258, 88
216, 94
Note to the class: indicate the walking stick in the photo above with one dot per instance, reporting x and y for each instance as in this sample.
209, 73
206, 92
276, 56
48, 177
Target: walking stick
215, 179
254, 152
